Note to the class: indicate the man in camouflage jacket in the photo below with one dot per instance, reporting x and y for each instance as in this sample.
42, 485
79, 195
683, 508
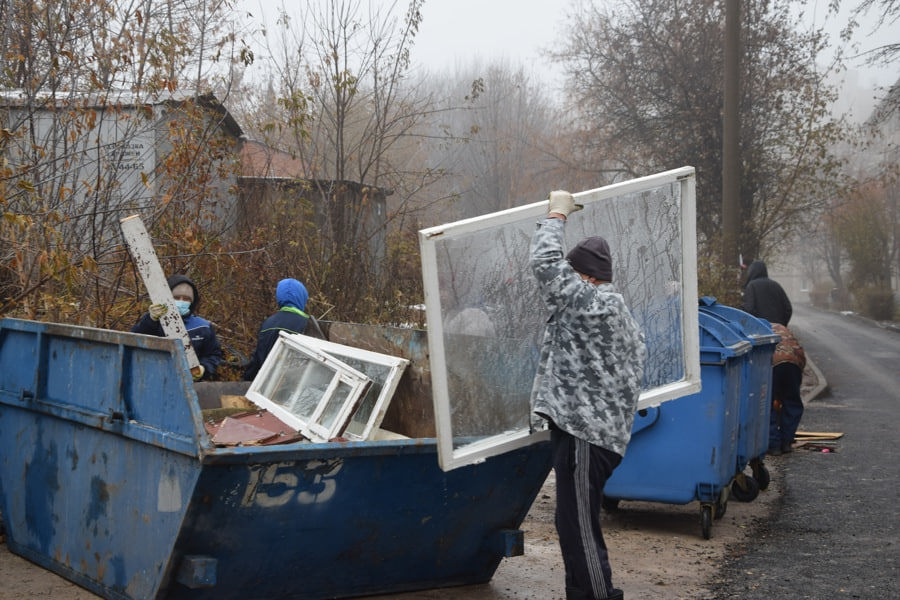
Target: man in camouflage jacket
586, 388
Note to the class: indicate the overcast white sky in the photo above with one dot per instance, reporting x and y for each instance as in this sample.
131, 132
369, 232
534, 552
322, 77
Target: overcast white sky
459, 30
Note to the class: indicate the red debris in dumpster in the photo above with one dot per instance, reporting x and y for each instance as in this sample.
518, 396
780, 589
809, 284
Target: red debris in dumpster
258, 428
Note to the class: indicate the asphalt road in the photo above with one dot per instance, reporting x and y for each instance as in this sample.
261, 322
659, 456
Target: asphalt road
837, 531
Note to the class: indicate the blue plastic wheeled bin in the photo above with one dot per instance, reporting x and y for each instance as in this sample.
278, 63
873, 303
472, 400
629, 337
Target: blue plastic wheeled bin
756, 396
684, 449
109, 478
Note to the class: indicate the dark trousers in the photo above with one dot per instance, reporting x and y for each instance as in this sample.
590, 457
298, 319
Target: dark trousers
783, 424
581, 473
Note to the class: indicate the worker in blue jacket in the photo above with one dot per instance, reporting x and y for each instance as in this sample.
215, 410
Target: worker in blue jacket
291, 296
202, 333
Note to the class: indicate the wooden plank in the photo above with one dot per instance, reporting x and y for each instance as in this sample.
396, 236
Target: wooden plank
819, 434
141, 248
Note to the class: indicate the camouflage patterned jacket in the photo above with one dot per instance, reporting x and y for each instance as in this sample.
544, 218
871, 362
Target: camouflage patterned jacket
592, 355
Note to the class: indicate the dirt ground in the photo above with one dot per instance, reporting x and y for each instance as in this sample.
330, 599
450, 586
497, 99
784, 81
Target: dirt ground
657, 552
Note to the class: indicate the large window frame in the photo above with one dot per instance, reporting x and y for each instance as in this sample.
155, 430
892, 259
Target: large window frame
278, 369
376, 400
452, 452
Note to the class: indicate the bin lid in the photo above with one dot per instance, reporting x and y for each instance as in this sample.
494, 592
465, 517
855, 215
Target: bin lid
718, 336
758, 331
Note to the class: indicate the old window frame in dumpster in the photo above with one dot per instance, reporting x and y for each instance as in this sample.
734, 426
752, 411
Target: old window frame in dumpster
476, 272
384, 371
288, 368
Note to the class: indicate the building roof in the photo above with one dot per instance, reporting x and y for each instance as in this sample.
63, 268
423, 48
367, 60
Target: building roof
11, 98
261, 160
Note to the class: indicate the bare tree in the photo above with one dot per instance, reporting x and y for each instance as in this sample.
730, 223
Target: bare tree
505, 133
646, 81
342, 100
888, 13
86, 124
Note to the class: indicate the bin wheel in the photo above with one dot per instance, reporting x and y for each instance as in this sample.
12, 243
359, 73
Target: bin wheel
745, 488
706, 520
610, 504
761, 474
721, 503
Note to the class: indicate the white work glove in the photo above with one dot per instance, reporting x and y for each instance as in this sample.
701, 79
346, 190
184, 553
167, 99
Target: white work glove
197, 372
563, 202
157, 310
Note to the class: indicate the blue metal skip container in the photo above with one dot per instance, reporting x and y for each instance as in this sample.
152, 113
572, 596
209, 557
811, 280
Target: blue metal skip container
756, 382
108, 478
685, 449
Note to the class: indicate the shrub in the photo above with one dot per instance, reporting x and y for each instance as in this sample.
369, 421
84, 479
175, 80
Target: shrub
825, 295
876, 303
722, 283
820, 294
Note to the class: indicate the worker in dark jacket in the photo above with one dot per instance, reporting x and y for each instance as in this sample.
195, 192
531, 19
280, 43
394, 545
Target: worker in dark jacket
291, 296
202, 334
764, 297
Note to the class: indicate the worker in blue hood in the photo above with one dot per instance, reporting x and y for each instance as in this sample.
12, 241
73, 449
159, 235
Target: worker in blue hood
202, 333
291, 296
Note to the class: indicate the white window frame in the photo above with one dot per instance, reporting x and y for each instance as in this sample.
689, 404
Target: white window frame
450, 457
395, 365
311, 427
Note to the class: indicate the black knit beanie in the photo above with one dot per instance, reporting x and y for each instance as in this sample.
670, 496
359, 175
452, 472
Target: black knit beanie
592, 257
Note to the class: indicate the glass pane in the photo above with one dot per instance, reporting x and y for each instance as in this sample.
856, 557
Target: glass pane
493, 319
489, 381
333, 407
379, 375
382, 370
661, 322
645, 228
296, 382
277, 384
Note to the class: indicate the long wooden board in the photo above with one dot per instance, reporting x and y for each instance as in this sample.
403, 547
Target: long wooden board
141, 248
824, 435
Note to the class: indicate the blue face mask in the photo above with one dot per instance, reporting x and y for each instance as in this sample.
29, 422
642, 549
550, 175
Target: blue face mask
184, 307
